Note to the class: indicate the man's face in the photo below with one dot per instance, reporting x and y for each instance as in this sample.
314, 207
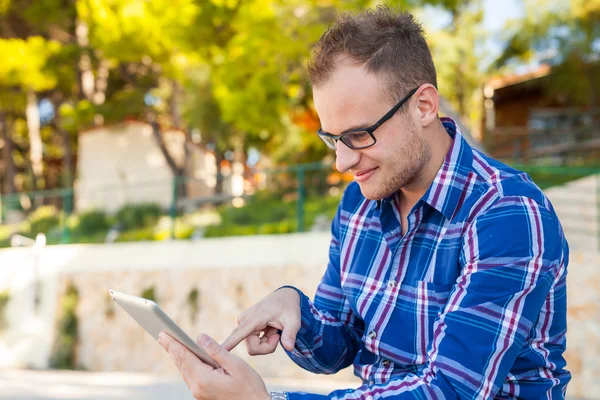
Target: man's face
353, 98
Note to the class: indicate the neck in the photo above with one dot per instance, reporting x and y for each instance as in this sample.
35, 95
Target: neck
439, 145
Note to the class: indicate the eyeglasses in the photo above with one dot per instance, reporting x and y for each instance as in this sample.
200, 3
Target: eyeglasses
361, 138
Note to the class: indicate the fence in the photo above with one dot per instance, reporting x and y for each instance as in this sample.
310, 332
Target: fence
567, 144
291, 193
279, 200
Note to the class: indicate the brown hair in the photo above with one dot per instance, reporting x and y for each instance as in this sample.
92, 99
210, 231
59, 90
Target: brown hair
387, 42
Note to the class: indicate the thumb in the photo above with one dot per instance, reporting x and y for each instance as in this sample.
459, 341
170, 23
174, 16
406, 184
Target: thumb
216, 352
288, 336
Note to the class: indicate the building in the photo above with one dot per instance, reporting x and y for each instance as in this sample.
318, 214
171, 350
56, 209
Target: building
532, 117
123, 164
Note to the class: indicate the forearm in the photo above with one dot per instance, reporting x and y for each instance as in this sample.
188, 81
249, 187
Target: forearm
410, 387
324, 344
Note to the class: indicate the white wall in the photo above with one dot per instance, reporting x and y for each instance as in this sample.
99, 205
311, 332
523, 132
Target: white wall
29, 337
123, 164
231, 274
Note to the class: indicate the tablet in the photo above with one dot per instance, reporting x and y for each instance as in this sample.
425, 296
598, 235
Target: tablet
154, 320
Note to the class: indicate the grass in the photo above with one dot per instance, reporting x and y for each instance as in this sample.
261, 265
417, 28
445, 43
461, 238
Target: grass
549, 176
271, 213
263, 213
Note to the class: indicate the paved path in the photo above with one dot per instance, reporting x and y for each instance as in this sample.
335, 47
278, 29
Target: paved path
76, 385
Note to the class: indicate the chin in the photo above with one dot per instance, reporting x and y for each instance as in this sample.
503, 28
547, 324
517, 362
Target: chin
373, 193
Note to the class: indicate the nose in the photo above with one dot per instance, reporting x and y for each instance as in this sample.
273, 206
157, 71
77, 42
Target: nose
345, 157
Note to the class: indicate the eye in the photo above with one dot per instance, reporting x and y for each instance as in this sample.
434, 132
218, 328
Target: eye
358, 137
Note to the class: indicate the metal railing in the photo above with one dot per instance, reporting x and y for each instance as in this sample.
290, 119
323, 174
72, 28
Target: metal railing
174, 197
277, 200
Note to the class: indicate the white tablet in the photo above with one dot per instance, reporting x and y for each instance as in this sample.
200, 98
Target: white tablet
154, 320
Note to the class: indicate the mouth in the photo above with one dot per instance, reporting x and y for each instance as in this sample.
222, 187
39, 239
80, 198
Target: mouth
363, 175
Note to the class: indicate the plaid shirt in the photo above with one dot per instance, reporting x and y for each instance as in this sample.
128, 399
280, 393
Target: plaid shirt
470, 303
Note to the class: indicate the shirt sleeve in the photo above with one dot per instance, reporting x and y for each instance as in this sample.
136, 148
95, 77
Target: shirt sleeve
513, 255
330, 333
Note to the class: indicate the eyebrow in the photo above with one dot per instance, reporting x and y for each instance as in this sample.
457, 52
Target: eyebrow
356, 126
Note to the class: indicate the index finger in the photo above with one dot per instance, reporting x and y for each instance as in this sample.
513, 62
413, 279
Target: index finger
241, 332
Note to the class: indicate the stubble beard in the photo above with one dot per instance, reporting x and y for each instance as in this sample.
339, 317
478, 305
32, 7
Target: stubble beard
413, 155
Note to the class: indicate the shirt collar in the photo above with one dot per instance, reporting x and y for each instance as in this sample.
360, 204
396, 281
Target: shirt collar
445, 191
448, 185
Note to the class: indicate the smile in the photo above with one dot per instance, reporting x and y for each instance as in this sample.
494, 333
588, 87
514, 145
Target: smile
364, 175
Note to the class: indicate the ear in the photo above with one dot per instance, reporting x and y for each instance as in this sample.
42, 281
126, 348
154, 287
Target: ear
428, 104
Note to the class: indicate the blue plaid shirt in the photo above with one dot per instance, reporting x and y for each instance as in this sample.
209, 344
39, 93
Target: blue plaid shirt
470, 303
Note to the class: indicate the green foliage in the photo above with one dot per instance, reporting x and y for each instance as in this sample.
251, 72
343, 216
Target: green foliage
4, 300
569, 32
24, 62
149, 294
77, 116
92, 221
242, 84
193, 301
266, 213
64, 349
183, 230
137, 235
6, 231
456, 51
263, 207
546, 176
136, 216
43, 219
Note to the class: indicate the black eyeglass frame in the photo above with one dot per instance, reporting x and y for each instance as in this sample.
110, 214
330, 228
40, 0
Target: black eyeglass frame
322, 134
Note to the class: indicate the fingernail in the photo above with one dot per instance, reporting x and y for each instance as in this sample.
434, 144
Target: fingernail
161, 336
289, 342
204, 340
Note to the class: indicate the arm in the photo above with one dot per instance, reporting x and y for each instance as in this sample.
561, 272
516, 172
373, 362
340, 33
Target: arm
512, 257
330, 333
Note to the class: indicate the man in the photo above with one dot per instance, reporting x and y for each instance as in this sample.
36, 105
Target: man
447, 268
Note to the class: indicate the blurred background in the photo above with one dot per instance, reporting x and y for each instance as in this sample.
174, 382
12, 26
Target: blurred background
167, 149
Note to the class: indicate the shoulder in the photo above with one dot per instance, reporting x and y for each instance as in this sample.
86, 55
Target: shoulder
499, 186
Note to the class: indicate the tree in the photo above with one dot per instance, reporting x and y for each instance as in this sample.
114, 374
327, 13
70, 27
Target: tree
235, 69
24, 67
457, 52
564, 35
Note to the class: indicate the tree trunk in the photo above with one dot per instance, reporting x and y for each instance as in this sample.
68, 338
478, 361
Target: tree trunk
101, 81
35, 139
219, 184
86, 75
68, 164
176, 170
10, 171
174, 104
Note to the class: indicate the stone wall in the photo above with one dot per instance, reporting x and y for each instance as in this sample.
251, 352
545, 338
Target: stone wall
229, 275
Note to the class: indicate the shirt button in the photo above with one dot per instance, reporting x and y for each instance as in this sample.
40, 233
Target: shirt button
386, 363
371, 382
372, 335
392, 284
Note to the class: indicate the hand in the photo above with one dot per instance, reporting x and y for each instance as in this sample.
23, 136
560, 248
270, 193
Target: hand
234, 380
262, 324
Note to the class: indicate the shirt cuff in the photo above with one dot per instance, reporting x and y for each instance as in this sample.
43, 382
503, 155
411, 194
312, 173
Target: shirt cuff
307, 319
306, 396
